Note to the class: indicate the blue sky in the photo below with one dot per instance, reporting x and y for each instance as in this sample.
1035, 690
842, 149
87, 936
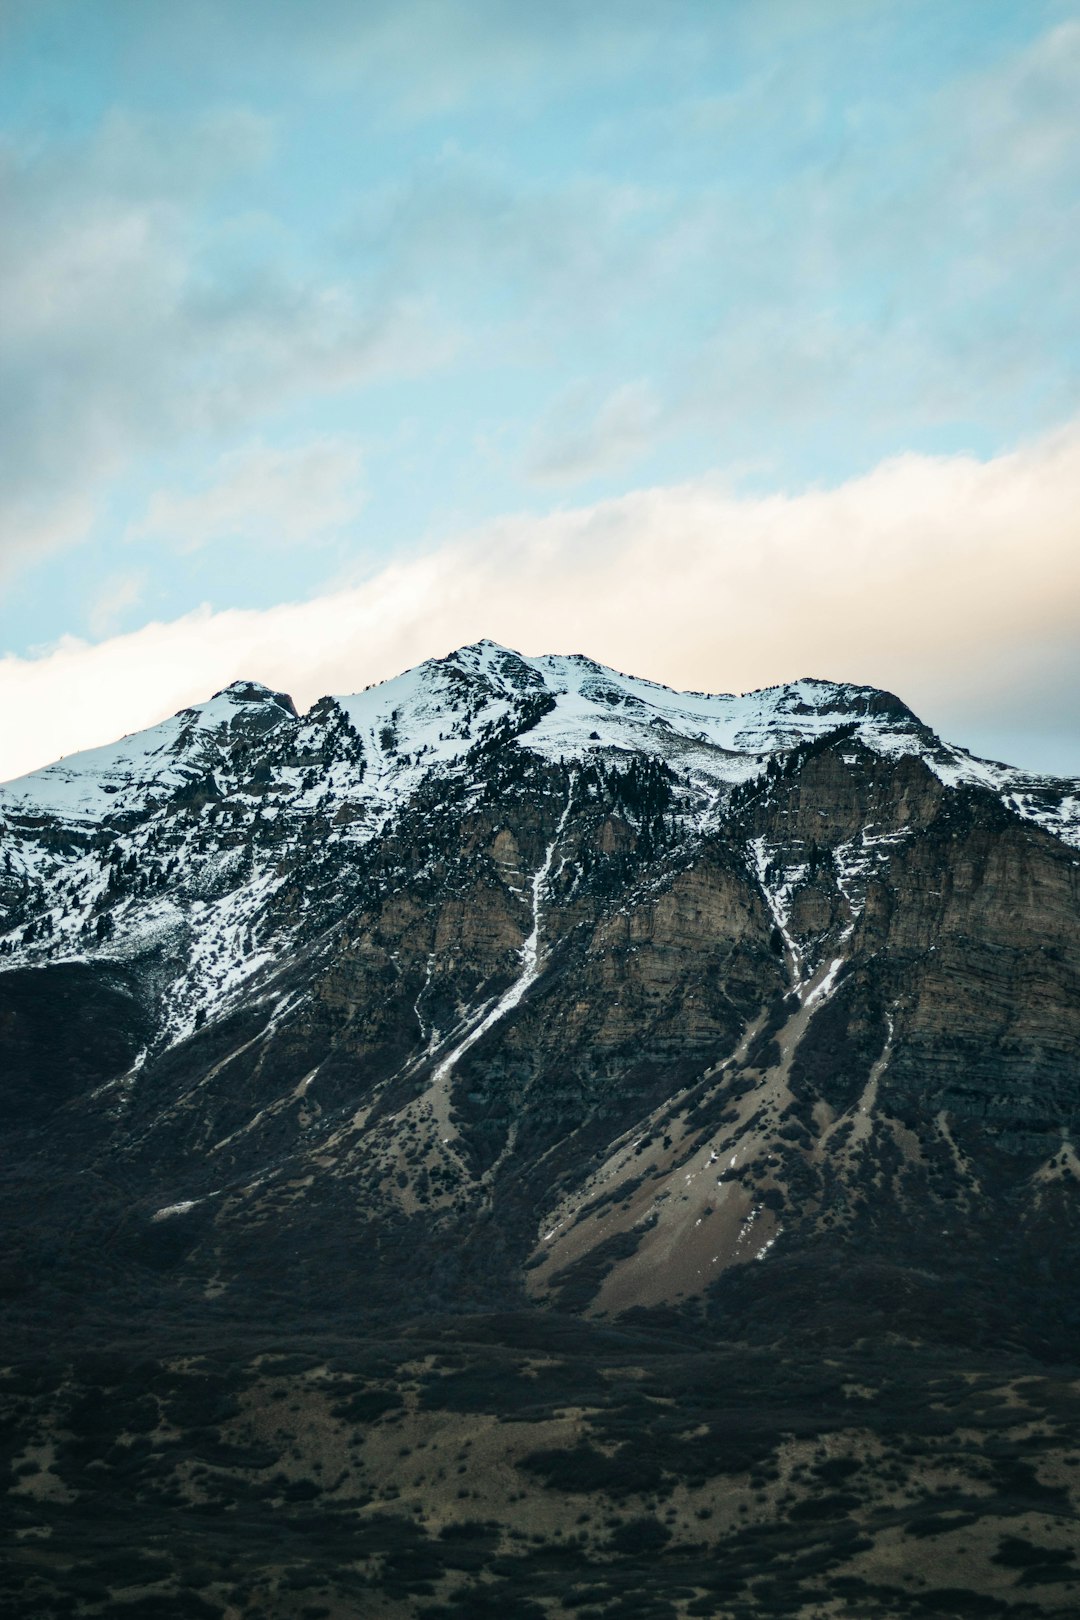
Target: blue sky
297, 293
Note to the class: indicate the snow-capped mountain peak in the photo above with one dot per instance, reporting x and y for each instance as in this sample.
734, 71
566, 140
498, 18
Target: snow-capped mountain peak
146, 765
375, 745
403, 948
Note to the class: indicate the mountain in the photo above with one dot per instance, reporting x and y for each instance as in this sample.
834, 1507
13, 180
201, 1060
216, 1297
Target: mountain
522, 1003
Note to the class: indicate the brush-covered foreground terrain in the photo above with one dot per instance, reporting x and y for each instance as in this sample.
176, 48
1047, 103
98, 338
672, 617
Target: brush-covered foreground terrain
520, 1140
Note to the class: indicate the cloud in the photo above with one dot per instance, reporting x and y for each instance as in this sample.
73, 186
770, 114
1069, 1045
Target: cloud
428, 58
131, 320
564, 250
1024, 115
954, 581
116, 595
828, 258
571, 446
772, 227
272, 496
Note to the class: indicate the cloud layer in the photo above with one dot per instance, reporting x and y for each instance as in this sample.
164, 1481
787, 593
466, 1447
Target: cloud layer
134, 319
273, 497
516, 254
952, 580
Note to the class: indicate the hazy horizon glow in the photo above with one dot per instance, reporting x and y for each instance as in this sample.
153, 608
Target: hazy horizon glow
724, 343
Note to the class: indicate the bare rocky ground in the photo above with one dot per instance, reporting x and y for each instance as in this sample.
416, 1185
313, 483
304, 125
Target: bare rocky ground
534, 1466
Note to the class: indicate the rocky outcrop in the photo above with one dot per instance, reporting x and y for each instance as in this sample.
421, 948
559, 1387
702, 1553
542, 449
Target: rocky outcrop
491, 988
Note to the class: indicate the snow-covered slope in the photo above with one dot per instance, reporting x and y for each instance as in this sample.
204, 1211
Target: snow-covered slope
427, 721
148, 766
442, 705
429, 717
181, 841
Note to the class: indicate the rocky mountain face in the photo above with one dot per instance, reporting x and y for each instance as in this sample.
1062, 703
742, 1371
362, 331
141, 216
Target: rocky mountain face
517, 988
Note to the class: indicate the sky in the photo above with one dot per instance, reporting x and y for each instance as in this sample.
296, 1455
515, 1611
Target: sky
727, 341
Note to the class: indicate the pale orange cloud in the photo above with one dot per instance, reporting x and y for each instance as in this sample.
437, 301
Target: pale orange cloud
946, 579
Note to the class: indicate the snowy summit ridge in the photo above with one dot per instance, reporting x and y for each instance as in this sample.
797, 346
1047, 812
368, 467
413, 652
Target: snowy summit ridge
181, 840
557, 705
427, 717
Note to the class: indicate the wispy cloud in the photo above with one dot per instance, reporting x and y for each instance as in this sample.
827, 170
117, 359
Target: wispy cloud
515, 251
116, 596
952, 580
573, 444
428, 58
303, 494
130, 322
566, 250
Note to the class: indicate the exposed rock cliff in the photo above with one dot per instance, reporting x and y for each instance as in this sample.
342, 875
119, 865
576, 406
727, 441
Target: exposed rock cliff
519, 978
